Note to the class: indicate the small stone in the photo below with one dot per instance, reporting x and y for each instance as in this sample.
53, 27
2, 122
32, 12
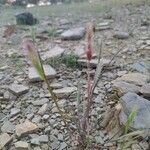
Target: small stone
56, 85
43, 109
54, 53
73, 34
18, 89
34, 76
45, 117
26, 128
94, 62
63, 145
60, 137
36, 119
14, 112
121, 35
4, 140
8, 127
43, 138
40, 102
99, 139
121, 73
64, 92
21, 145
103, 26
30, 116
145, 90
39, 139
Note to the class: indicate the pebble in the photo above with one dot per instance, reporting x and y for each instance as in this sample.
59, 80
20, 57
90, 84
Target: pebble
21, 145
26, 128
43, 109
18, 89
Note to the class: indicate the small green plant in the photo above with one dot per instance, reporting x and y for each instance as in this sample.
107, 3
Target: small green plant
128, 124
70, 60
52, 32
33, 33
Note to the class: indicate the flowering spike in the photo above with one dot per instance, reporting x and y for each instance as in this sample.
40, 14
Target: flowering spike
89, 38
33, 57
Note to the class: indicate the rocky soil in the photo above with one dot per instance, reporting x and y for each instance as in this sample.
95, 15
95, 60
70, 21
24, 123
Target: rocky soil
29, 118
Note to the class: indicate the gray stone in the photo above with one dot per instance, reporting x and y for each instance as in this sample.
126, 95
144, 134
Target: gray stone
126, 87
145, 90
8, 127
4, 140
14, 112
36, 119
64, 92
53, 53
94, 62
43, 109
18, 89
40, 139
121, 35
73, 34
34, 76
135, 78
21, 145
56, 85
99, 140
45, 117
131, 101
26, 128
40, 102
60, 137
141, 67
63, 146
103, 26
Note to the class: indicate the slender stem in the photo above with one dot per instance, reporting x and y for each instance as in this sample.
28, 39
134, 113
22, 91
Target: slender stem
54, 97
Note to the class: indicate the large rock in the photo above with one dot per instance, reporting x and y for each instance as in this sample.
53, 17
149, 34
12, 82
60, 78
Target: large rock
34, 76
126, 87
131, 101
135, 78
73, 34
26, 128
26, 18
4, 140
